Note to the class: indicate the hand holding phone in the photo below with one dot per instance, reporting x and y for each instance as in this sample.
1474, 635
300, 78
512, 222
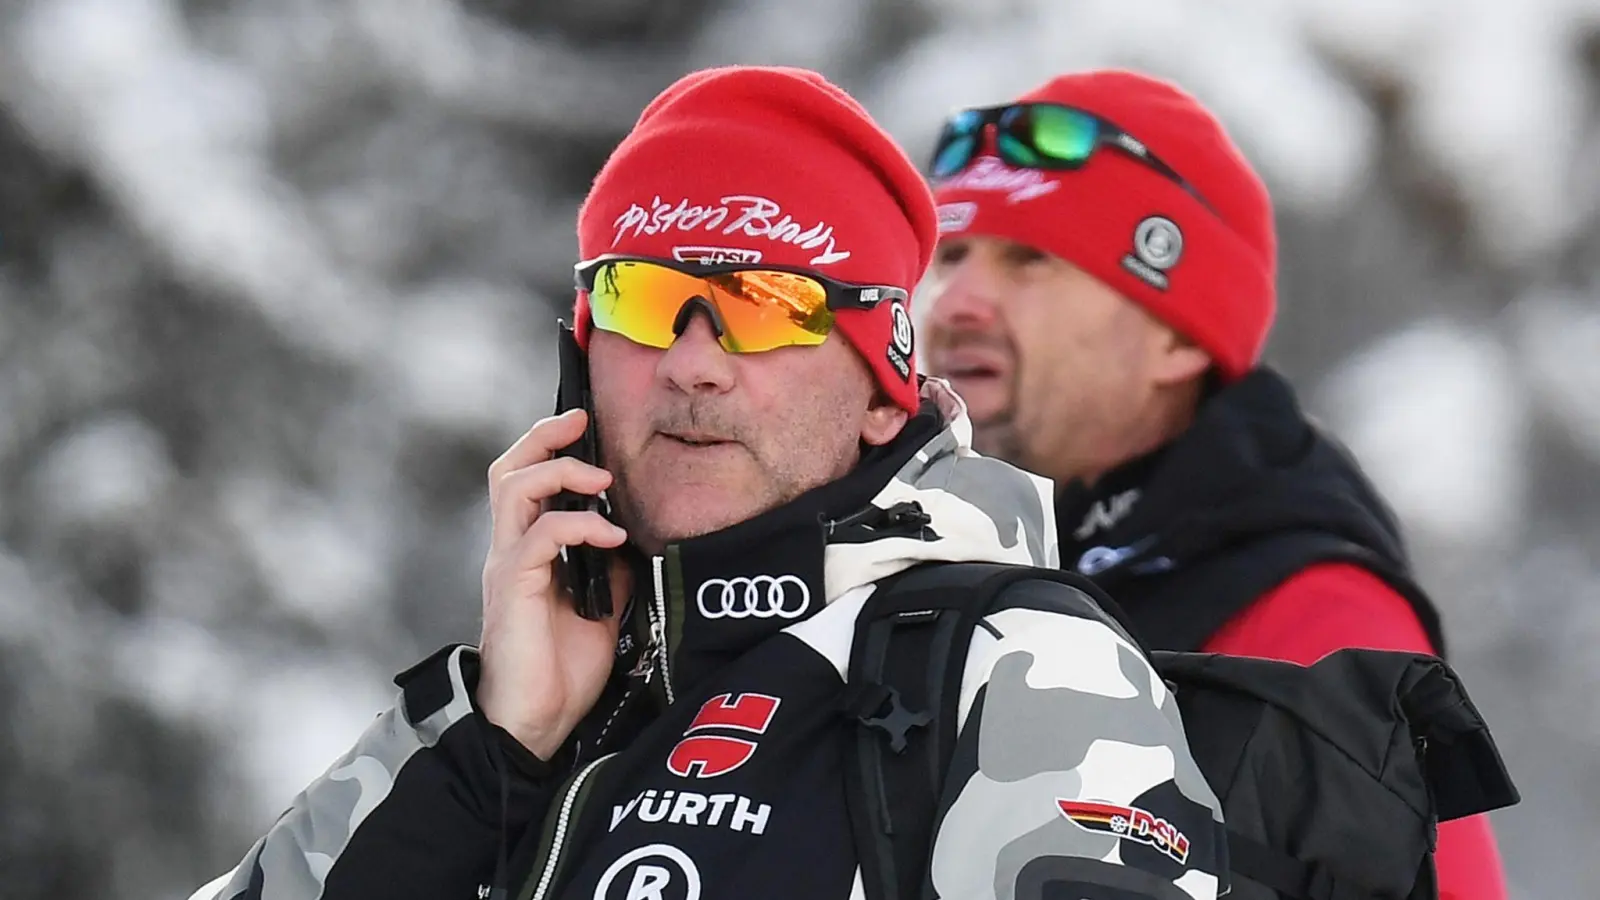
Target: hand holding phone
549, 625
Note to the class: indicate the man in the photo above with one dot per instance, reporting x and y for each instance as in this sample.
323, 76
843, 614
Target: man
1099, 298
747, 252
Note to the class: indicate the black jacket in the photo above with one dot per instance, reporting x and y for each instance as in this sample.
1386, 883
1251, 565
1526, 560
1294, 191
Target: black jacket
1253, 492
713, 764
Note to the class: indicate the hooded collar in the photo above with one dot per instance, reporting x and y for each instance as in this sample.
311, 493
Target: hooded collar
1250, 464
924, 497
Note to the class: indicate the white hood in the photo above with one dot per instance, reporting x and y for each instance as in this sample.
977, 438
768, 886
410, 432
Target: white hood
982, 509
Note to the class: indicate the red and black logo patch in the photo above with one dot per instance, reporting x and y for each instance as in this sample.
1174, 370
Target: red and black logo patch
1129, 823
710, 755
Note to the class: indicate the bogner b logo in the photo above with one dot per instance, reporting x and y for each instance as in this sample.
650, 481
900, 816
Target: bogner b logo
710, 755
652, 872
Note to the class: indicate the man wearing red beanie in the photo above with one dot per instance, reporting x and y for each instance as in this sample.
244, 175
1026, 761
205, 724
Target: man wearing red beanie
708, 725
1100, 297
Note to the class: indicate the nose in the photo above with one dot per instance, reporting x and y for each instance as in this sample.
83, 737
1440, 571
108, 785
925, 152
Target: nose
963, 295
696, 362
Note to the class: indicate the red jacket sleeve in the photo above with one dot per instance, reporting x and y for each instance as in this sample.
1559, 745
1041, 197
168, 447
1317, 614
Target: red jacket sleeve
1335, 605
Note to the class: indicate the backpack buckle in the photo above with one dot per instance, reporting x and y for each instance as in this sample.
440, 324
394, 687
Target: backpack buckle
879, 706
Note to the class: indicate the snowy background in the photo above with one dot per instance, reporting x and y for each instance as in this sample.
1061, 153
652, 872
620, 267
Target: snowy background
277, 279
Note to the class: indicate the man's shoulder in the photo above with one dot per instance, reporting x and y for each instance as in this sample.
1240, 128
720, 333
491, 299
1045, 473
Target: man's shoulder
1321, 608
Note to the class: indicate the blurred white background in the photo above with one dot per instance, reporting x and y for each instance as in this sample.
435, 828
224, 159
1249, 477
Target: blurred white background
277, 281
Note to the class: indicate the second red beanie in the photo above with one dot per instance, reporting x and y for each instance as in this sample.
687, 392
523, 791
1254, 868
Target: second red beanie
1210, 273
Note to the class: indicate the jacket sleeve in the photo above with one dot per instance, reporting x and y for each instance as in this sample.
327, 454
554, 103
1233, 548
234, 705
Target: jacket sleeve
417, 809
1335, 605
1071, 776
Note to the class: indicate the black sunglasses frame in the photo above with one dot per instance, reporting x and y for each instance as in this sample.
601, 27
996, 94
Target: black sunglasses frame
1108, 134
839, 294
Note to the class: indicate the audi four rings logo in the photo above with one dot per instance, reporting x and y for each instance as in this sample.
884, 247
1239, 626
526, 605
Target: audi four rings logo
757, 596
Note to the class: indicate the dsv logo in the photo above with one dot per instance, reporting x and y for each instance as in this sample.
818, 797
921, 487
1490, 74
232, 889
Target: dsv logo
756, 596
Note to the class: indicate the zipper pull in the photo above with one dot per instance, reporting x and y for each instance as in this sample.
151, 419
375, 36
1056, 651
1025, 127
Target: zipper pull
646, 666
904, 519
907, 514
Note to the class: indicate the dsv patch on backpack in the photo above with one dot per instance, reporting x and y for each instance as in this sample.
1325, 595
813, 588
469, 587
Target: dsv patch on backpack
1129, 823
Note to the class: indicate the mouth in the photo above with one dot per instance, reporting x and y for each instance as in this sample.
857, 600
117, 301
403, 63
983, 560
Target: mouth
970, 372
689, 439
966, 374
970, 366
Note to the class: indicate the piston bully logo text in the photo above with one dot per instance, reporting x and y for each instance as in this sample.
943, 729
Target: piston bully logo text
736, 214
989, 173
754, 596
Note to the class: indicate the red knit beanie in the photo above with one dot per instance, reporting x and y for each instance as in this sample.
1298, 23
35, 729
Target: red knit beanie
1209, 274
771, 165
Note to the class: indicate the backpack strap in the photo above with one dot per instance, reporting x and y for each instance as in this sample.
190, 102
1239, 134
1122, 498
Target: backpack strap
903, 688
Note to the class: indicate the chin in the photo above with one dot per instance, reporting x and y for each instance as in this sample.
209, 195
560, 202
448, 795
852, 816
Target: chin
984, 401
702, 521
997, 440
688, 510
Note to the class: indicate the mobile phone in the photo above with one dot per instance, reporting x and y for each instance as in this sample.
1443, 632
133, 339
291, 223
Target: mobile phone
584, 569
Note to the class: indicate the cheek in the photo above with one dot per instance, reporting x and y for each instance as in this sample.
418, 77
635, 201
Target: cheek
611, 415
1043, 336
620, 381
617, 443
1063, 357
813, 425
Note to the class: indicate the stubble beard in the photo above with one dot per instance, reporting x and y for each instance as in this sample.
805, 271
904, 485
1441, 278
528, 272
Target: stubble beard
998, 436
656, 509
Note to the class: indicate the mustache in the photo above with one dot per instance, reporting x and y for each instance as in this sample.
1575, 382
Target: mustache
703, 416
949, 340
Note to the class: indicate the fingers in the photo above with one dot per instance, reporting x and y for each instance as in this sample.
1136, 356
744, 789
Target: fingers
568, 529
515, 498
539, 443
542, 543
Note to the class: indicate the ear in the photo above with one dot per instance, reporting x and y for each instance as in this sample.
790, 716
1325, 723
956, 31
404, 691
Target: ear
1179, 359
883, 421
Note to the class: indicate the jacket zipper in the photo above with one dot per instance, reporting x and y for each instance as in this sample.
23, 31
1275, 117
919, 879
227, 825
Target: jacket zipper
563, 819
658, 625
655, 657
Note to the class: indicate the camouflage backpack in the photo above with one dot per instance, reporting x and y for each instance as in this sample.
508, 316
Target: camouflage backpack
1333, 777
